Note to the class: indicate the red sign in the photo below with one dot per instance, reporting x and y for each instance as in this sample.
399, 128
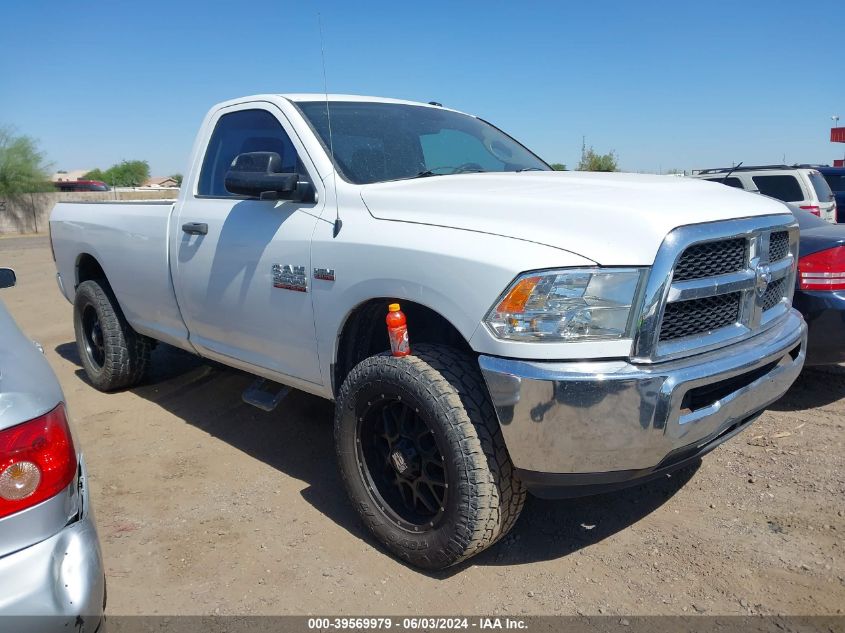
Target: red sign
837, 135
839, 162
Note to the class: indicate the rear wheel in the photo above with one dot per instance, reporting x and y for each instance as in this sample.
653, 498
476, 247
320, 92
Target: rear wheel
423, 458
113, 355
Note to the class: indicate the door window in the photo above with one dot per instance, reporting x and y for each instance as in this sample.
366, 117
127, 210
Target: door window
784, 188
237, 133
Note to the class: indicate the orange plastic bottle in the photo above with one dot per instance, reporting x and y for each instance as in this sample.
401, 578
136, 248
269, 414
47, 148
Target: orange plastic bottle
397, 331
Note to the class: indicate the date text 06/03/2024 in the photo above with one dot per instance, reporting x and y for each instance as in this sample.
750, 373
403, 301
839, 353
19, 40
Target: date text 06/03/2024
417, 623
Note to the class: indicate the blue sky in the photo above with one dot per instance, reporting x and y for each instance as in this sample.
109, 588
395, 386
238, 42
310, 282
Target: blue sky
665, 85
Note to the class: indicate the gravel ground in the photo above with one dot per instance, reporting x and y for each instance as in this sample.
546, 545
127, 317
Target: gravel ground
206, 505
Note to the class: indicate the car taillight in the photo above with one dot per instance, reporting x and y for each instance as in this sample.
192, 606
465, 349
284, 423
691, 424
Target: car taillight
37, 461
812, 209
824, 270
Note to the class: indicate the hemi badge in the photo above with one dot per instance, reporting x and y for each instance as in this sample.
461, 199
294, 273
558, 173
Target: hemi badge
326, 274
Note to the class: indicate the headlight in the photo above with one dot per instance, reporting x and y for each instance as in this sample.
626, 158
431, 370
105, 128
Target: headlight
578, 304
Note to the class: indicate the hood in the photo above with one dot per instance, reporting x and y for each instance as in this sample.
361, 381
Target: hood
610, 218
28, 386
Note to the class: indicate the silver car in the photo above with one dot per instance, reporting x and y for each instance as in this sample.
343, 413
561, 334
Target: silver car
51, 566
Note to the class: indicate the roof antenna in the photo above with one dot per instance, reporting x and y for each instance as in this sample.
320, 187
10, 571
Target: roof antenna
338, 223
733, 169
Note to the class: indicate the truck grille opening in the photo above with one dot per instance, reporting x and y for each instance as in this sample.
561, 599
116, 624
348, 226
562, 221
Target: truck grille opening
711, 258
778, 245
774, 293
687, 318
702, 397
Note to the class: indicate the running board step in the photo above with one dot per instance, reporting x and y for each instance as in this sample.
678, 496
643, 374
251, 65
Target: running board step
259, 397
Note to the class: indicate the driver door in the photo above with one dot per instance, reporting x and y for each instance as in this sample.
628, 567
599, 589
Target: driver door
231, 254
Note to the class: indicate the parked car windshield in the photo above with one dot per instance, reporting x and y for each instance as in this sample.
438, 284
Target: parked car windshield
376, 142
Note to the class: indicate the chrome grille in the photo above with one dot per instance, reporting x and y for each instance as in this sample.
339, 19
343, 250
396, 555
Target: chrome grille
716, 283
710, 259
686, 318
778, 245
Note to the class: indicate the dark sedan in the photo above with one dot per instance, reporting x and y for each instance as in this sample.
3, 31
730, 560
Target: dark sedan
820, 289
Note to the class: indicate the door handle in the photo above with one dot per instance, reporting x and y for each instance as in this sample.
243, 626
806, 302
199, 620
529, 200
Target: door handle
195, 228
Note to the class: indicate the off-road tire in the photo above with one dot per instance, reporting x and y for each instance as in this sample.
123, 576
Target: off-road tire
484, 495
126, 354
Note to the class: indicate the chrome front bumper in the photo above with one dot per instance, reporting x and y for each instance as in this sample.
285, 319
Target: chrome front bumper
57, 584
591, 420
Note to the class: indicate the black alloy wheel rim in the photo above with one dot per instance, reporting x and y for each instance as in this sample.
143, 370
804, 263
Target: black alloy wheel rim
400, 460
92, 334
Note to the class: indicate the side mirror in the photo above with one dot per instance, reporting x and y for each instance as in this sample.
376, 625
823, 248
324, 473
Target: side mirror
258, 175
7, 278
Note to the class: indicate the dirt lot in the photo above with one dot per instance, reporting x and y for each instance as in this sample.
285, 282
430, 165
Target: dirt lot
206, 505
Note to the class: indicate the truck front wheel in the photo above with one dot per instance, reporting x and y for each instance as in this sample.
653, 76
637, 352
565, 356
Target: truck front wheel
423, 458
113, 355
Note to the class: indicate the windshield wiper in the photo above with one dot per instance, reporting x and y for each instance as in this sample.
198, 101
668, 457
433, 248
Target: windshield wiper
458, 170
529, 169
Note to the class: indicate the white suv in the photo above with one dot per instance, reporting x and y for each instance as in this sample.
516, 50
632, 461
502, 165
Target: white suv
799, 187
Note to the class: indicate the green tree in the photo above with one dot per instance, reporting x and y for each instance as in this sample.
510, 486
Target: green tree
592, 161
22, 166
95, 174
128, 173
177, 178
558, 166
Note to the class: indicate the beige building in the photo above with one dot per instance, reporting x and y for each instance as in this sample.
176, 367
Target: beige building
162, 182
64, 176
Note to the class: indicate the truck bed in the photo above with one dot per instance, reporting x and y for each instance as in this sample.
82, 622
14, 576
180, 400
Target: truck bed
129, 240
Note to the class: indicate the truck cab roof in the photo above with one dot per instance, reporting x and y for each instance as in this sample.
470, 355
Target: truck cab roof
301, 97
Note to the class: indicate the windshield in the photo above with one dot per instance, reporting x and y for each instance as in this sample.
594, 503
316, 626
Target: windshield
375, 142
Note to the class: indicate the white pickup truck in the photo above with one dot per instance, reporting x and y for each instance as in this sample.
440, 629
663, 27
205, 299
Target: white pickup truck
570, 332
